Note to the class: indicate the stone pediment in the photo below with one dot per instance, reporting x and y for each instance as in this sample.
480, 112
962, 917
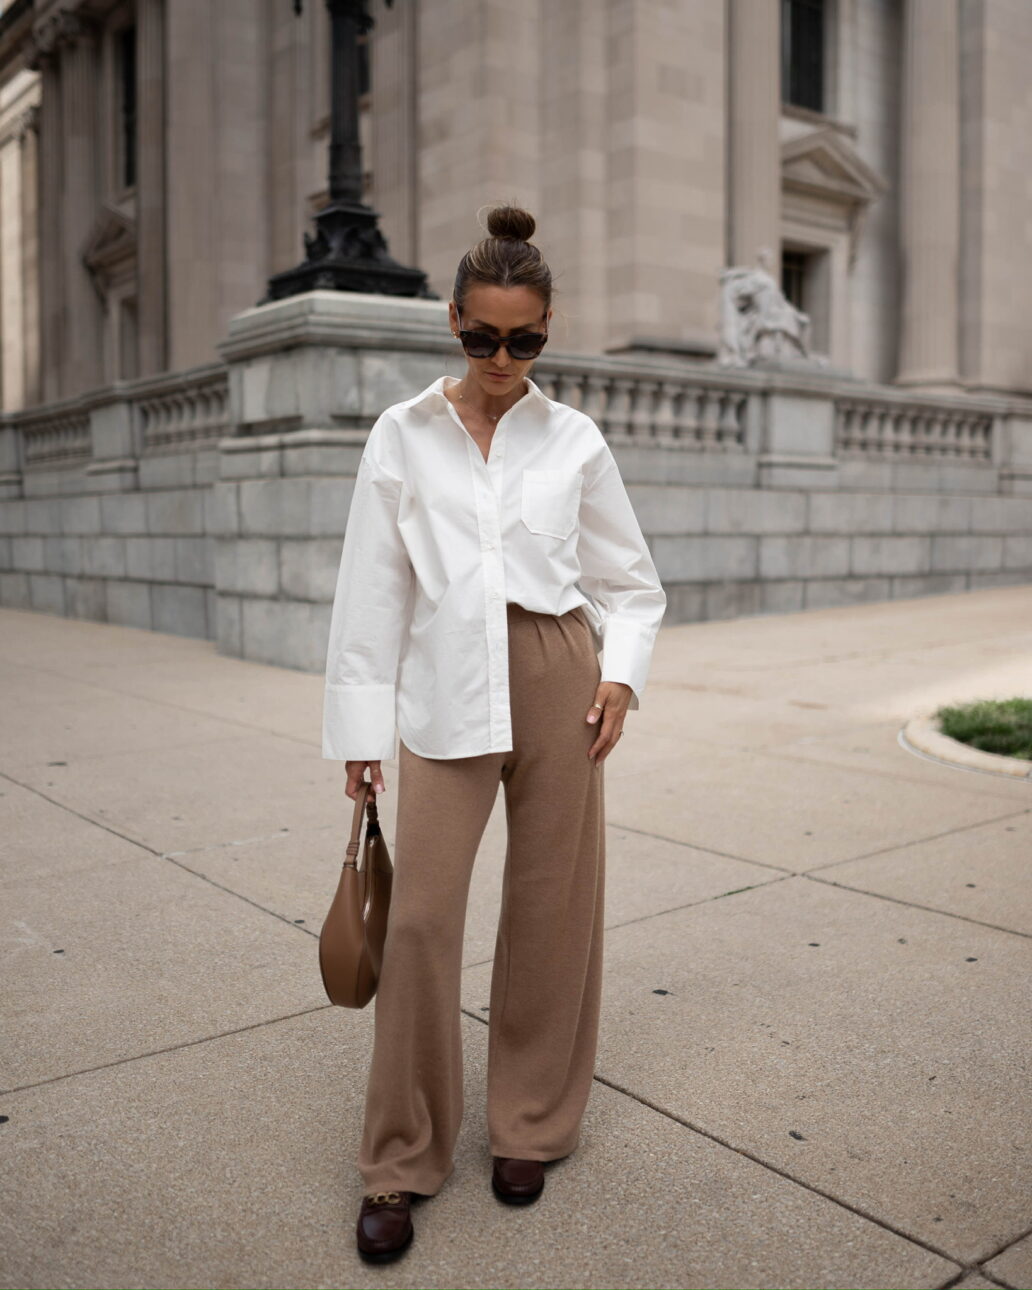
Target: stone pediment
823, 164
110, 249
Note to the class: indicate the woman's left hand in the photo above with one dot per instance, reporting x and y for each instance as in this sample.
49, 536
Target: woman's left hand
614, 698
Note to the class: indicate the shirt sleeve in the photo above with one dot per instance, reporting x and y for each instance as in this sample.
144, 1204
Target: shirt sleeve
618, 573
371, 608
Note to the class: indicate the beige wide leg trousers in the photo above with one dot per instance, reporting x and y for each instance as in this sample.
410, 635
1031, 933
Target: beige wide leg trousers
547, 974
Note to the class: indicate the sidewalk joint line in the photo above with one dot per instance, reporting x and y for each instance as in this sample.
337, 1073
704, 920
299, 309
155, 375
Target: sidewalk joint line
158, 1052
913, 904
777, 1169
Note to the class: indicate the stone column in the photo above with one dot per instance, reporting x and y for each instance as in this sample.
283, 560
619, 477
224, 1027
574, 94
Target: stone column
84, 327
12, 300
150, 185
51, 274
754, 108
930, 194
29, 141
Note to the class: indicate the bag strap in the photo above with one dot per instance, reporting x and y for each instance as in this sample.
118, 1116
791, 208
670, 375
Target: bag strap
365, 801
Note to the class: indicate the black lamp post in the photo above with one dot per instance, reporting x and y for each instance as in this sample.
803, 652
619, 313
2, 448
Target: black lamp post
348, 252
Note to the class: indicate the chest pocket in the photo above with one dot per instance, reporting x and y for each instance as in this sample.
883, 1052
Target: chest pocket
550, 501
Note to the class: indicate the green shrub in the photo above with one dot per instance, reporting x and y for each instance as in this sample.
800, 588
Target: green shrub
1001, 726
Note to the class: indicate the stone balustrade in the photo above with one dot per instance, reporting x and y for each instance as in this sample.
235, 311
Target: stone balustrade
213, 502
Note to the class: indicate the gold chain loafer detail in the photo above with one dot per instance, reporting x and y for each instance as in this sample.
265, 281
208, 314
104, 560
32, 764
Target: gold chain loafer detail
384, 1228
517, 1182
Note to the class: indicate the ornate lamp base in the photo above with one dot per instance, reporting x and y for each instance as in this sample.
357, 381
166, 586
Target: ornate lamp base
348, 253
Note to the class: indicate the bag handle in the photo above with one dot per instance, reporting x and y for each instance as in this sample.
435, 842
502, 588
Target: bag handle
365, 801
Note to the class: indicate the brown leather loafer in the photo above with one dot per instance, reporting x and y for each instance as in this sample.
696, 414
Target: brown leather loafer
517, 1182
384, 1227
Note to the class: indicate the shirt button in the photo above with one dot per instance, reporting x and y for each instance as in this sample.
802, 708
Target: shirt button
488, 546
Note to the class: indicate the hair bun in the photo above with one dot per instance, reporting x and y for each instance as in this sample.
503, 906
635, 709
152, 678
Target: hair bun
511, 221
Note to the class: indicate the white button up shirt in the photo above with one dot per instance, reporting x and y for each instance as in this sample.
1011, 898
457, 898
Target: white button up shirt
438, 540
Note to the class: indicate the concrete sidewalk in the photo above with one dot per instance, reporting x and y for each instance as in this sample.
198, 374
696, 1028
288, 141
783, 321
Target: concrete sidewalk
814, 1062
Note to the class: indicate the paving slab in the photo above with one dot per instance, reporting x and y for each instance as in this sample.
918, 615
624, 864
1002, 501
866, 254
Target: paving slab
873, 1050
1014, 1265
42, 841
981, 873
294, 873
877, 748
256, 1133
136, 955
786, 812
187, 796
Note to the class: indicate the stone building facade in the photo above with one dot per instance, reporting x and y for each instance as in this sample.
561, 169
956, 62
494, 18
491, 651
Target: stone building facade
161, 159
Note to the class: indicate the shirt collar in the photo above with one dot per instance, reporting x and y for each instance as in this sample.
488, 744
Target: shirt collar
534, 396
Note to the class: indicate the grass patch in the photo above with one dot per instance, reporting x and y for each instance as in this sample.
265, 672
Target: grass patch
1002, 726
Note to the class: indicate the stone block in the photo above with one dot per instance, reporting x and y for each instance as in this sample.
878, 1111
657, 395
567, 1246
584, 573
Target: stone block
857, 474
228, 624
970, 553
14, 513
1017, 551
251, 463
39, 515
124, 513
177, 511
104, 557
128, 603
829, 593
321, 459
842, 512
797, 423
246, 566
206, 466
180, 610
86, 598
686, 602
195, 560
28, 554
308, 569
276, 507
803, 556
111, 430
732, 599
47, 592
5, 553
151, 559
660, 465
888, 554
81, 515
290, 633
222, 509
167, 470
930, 513
1002, 578
1001, 515
64, 554
14, 591
704, 559
782, 597
789, 470
210, 610
754, 510
668, 508
928, 584
329, 505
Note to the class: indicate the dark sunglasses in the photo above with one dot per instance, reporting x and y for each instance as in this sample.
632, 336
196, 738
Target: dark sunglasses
524, 345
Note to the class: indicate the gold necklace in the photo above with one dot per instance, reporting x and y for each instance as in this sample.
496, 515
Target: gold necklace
486, 414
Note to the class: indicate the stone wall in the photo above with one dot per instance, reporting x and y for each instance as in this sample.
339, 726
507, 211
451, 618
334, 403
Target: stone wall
213, 503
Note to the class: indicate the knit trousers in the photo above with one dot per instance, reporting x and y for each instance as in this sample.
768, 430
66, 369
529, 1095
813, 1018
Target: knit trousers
547, 974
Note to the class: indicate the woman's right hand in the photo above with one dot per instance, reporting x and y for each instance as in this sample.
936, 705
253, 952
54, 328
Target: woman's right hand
356, 774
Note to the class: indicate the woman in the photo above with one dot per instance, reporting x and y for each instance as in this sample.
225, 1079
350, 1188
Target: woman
490, 549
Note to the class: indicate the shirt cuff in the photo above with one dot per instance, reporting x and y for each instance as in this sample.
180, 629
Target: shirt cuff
358, 722
626, 655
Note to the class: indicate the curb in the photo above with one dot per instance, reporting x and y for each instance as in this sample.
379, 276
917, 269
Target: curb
922, 734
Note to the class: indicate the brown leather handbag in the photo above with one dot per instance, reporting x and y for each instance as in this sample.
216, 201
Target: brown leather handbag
353, 933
